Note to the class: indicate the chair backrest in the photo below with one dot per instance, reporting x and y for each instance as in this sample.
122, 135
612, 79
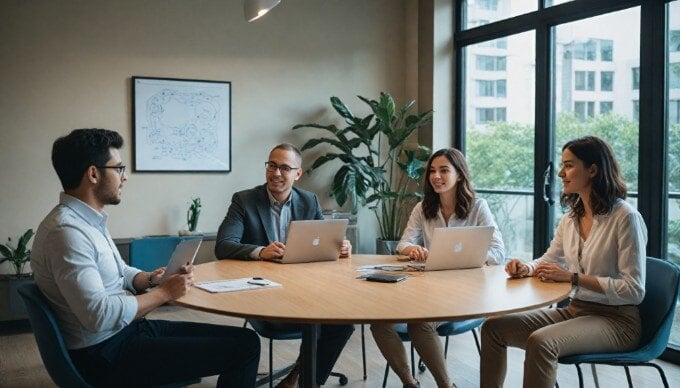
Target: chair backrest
658, 306
50, 342
149, 253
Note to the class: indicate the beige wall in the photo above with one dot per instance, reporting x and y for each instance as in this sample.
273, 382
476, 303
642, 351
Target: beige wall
67, 64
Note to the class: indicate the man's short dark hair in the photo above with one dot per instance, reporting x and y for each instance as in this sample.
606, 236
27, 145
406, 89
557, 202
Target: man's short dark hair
291, 148
73, 154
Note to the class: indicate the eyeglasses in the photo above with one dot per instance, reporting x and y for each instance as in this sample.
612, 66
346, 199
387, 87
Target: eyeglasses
120, 169
284, 168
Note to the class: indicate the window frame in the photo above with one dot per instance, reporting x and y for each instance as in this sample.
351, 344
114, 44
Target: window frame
652, 180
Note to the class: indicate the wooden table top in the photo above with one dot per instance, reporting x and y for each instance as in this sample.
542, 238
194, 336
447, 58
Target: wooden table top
329, 292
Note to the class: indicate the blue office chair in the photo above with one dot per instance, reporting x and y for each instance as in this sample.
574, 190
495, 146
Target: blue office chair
444, 330
50, 342
150, 253
267, 330
656, 313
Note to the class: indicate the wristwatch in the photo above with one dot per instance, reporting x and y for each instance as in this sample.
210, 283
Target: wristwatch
574, 279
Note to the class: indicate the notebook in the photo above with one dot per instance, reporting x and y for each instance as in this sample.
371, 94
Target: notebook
184, 253
314, 240
458, 248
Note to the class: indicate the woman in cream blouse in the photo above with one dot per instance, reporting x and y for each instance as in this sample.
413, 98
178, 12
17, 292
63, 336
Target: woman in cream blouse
599, 246
449, 201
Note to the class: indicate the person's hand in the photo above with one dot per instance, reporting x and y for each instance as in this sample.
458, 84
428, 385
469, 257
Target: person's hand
156, 275
176, 286
272, 251
552, 272
516, 269
416, 252
346, 249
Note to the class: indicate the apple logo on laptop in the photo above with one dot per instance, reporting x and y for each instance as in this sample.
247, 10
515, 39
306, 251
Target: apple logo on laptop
316, 241
458, 248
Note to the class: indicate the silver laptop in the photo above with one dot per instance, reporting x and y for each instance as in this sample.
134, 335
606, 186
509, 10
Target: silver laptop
314, 240
459, 248
184, 253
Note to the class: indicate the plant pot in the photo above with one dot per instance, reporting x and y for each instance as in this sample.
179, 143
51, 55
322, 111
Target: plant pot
11, 305
385, 247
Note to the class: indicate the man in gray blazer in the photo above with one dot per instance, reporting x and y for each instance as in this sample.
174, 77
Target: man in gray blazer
255, 228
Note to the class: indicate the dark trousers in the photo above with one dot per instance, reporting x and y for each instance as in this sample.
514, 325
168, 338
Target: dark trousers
154, 352
331, 340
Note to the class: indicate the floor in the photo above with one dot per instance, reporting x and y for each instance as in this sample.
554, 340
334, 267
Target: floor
21, 366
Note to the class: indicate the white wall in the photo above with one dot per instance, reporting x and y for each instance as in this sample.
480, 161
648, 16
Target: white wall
67, 64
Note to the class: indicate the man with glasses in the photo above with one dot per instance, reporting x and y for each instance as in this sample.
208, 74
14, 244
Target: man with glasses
255, 228
100, 302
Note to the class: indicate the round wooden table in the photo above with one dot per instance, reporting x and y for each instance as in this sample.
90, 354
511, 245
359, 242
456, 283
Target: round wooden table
329, 292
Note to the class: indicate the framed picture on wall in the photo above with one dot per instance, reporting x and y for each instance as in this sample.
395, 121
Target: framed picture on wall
181, 125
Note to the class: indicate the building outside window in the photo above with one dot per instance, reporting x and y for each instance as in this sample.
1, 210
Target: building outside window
606, 50
674, 75
606, 107
585, 50
488, 115
636, 78
490, 63
584, 80
584, 109
607, 81
673, 112
489, 5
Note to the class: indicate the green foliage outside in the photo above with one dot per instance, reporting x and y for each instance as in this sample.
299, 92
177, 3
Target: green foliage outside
501, 157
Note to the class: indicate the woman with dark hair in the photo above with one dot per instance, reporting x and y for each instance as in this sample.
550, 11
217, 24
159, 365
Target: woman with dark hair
449, 201
599, 246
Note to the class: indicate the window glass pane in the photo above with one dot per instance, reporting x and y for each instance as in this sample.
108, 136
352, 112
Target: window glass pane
585, 49
500, 136
549, 3
636, 78
478, 11
673, 156
674, 75
607, 81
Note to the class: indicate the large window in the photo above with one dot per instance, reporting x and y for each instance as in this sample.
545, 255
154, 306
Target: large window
571, 68
673, 130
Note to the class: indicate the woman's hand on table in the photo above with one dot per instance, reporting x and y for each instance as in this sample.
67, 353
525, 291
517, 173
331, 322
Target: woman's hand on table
416, 252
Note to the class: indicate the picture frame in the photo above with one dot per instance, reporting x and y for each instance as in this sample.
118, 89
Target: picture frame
181, 125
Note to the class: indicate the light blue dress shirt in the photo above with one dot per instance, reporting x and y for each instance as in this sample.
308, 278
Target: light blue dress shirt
79, 269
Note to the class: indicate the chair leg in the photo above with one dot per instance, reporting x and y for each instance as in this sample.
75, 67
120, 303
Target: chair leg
446, 347
580, 375
342, 379
630, 379
271, 363
413, 366
660, 370
596, 381
474, 334
363, 350
387, 370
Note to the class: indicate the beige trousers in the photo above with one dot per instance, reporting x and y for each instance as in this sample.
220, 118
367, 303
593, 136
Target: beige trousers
426, 341
546, 334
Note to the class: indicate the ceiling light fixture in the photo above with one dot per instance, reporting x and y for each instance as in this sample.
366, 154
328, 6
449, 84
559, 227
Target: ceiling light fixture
255, 9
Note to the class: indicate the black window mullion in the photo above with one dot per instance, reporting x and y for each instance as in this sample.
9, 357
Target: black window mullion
544, 137
653, 177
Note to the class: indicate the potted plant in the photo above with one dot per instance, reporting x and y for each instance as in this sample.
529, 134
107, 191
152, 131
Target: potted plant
11, 305
192, 218
18, 256
380, 166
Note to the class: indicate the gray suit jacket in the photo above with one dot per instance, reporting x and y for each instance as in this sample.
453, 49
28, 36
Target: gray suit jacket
248, 223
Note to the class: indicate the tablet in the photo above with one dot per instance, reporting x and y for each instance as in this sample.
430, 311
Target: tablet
185, 253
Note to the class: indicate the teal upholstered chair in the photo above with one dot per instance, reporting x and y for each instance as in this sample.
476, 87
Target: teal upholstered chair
150, 253
51, 344
444, 330
656, 313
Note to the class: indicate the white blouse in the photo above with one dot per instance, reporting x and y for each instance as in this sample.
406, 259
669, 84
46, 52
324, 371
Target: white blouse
615, 253
419, 230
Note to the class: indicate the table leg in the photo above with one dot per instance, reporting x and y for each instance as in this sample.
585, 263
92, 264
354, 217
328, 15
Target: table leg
308, 375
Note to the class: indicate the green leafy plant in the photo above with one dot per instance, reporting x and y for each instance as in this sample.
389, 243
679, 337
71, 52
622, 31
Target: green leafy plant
379, 165
193, 213
18, 256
